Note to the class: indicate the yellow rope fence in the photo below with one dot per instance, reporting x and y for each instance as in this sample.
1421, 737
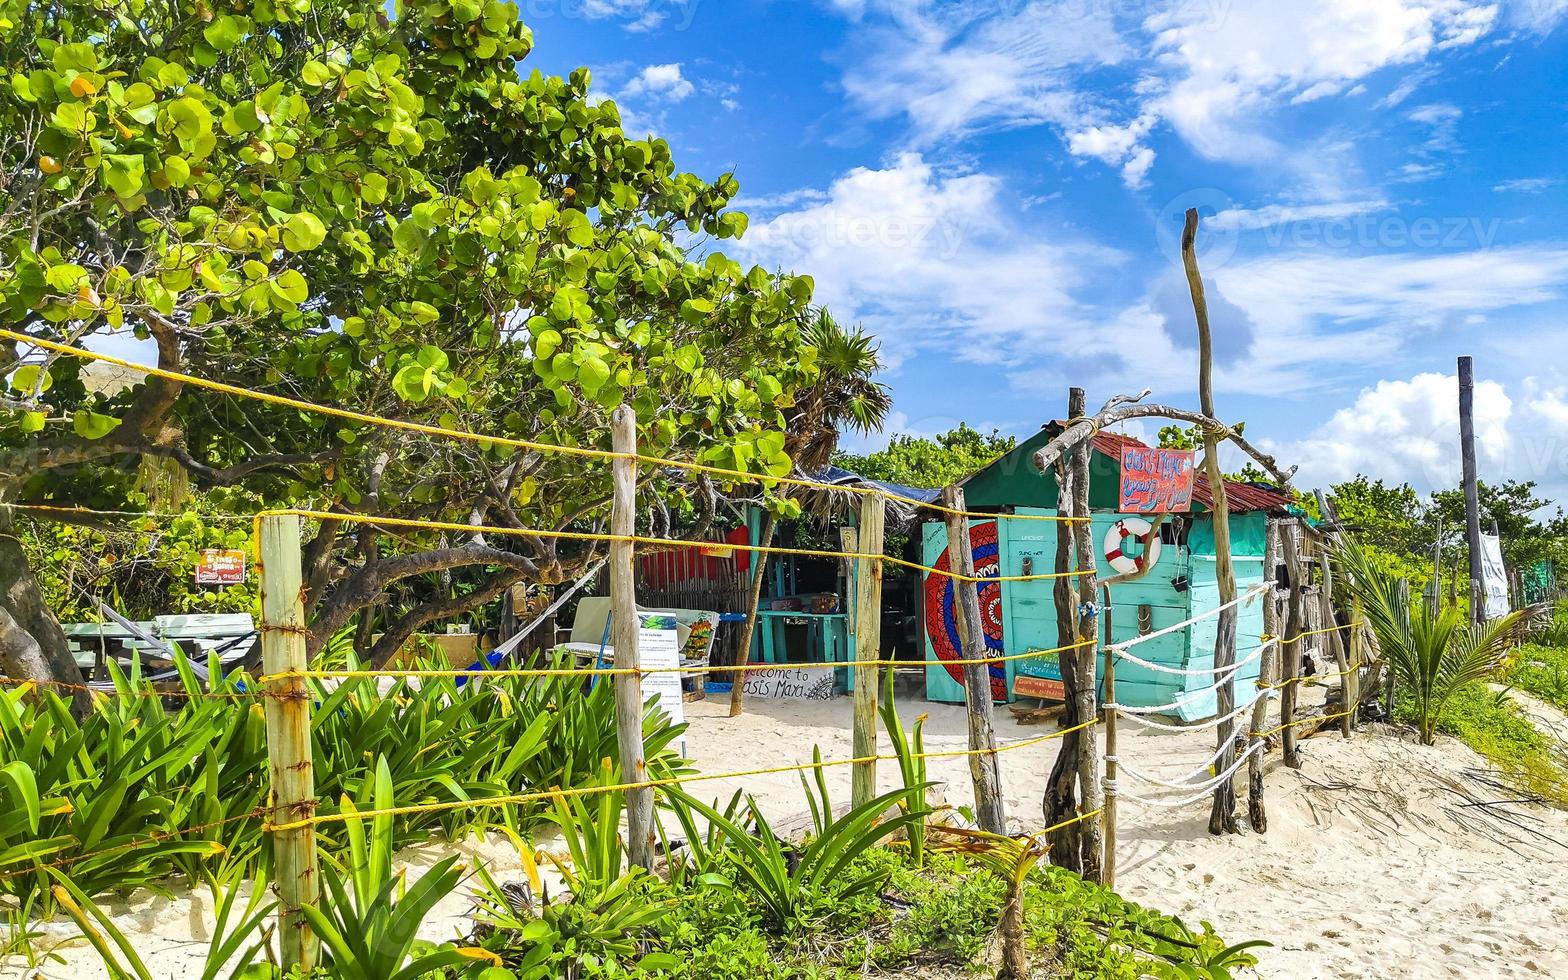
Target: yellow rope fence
731, 475
661, 783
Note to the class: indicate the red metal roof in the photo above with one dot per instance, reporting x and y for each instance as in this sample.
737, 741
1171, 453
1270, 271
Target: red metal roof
1240, 498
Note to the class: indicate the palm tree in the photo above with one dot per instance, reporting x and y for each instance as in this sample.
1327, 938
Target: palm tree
845, 395
1431, 653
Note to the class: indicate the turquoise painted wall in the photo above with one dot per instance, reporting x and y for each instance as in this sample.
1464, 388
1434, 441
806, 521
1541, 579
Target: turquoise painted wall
1028, 610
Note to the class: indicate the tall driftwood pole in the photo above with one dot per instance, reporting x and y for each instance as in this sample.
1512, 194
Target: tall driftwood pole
983, 768
868, 646
1257, 815
1472, 488
283, 632
624, 627
759, 571
1060, 802
1223, 817
1081, 662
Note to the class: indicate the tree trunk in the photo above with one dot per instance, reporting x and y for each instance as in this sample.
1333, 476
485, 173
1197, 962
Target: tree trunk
1081, 662
1222, 818
759, 570
1015, 961
1061, 791
32, 645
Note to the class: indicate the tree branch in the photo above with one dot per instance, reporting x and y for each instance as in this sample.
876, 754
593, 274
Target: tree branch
1120, 409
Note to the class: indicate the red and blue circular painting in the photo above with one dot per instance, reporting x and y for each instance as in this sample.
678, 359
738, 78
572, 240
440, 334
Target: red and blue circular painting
942, 625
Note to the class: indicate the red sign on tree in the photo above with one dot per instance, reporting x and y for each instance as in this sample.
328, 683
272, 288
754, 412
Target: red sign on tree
220, 567
1156, 481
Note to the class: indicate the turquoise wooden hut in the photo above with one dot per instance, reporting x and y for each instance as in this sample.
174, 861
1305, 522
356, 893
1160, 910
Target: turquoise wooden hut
1021, 616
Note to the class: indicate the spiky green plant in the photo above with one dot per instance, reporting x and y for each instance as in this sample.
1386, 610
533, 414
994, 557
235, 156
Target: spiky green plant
788, 886
1432, 655
368, 918
235, 950
910, 749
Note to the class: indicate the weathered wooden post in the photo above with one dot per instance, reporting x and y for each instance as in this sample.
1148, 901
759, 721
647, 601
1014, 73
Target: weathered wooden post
1108, 719
868, 646
624, 627
1223, 816
1472, 489
1256, 813
1357, 661
1290, 654
983, 767
283, 632
1081, 661
1335, 638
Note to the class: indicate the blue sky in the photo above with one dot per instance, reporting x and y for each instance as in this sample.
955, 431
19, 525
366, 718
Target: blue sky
994, 189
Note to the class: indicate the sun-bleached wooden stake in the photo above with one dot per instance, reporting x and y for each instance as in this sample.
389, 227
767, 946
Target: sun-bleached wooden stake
287, 710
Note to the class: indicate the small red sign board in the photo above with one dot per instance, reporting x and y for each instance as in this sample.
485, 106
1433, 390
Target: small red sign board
1156, 481
220, 567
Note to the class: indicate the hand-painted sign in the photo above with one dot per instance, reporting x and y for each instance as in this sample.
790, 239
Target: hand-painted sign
1156, 481
793, 683
1040, 677
220, 567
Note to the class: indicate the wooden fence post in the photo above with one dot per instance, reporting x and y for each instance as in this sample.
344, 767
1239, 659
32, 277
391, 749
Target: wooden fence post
624, 627
868, 646
1257, 815
984, 769
1108, 719
287, 709
1289, 649
1336, 640
1081, 662
1357, 654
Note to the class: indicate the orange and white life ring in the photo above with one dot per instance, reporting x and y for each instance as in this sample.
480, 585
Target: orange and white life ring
1116, 541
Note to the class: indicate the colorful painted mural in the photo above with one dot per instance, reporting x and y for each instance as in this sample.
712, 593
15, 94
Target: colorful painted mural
942, 625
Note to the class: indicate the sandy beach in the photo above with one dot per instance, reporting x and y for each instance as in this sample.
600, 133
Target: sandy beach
1377, 862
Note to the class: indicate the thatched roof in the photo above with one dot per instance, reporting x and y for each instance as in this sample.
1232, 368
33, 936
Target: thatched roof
835, 501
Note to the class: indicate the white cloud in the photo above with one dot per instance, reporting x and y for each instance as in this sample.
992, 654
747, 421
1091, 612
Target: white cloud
1407, 431
637, 15
1227, 69
933, 260
953, 69
1274, 215
1525, 185
659, 82
1537, 15
1213, 70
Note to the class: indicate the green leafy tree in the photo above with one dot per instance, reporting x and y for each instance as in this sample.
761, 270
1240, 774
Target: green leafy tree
919, 461
324, 200
1513, 508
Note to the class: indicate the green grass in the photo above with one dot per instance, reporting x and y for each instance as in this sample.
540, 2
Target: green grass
1492, 724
